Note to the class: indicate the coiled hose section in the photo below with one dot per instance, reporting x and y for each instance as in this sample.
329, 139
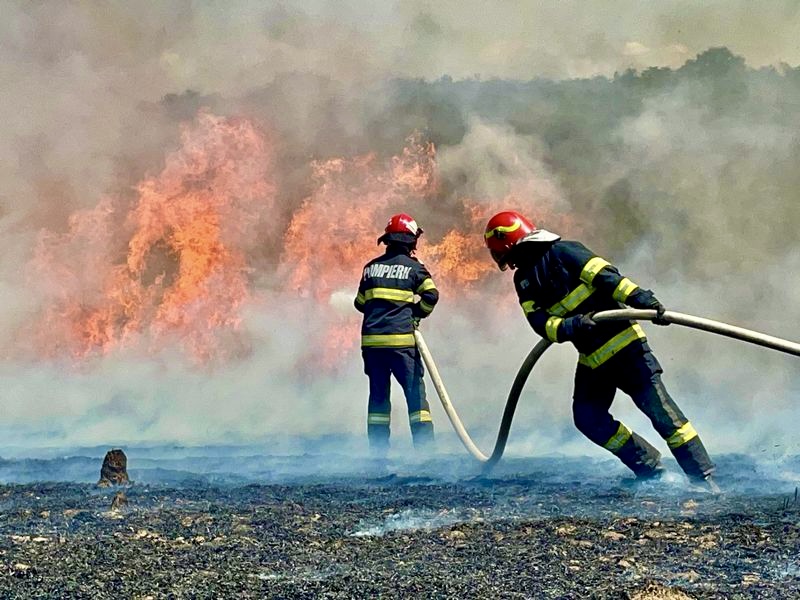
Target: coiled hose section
627, 314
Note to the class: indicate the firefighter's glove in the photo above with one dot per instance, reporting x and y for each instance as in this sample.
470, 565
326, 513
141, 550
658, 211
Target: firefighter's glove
660, 310
645, 299
573, 328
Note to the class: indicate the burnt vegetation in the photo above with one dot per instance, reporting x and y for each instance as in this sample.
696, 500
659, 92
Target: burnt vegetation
540, 534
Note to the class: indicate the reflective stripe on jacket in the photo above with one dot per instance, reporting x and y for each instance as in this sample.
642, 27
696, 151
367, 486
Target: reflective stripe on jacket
569, 279
395, 289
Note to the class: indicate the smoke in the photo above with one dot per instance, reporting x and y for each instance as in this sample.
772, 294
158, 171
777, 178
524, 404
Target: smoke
708, 173
683, 173
582, 39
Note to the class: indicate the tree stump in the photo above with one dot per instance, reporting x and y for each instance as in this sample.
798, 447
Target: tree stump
115, 469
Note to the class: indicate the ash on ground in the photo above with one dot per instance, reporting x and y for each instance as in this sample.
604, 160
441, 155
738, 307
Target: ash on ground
212, 527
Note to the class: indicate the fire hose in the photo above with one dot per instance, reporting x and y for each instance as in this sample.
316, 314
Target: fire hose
628, 314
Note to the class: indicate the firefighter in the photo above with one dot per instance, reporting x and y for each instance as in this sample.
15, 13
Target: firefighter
560, 284
395, 292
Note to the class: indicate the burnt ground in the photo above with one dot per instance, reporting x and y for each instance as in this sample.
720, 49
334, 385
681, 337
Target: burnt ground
548, 528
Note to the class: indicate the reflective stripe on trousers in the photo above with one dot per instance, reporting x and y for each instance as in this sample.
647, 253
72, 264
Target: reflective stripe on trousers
637, 373
405, 364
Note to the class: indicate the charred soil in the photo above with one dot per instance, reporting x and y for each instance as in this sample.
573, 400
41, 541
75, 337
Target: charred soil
395, 536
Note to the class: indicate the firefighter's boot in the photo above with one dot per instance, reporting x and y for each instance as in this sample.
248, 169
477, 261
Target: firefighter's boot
691, 454
421, 428
422, 434
378, 436
641, 457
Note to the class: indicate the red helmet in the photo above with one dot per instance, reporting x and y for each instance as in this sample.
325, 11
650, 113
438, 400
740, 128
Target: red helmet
507, 229
401, 228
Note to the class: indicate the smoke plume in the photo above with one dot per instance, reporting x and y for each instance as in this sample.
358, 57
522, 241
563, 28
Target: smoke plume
188, 193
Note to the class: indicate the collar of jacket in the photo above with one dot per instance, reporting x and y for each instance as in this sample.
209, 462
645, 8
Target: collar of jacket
397, 249
529, 255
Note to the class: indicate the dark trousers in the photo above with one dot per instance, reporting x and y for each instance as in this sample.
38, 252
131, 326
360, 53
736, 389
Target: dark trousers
636, 372
406, 366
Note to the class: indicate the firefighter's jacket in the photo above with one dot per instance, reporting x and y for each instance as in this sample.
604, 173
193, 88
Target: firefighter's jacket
570, 280
386, 296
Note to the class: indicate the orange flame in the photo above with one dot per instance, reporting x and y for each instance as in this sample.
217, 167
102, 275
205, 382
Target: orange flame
175, 268
334, 231
333, 234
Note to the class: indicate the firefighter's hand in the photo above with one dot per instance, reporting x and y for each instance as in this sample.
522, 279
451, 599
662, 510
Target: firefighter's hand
654, 304
645, 299
574, 327
660, 310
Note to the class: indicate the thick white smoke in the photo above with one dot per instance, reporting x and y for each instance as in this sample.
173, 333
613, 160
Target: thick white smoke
697, 203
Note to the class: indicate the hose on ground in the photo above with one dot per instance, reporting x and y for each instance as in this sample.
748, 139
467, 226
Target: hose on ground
627, 314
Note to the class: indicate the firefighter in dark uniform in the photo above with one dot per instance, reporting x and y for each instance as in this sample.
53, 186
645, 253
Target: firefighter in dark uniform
560, 284
395, 292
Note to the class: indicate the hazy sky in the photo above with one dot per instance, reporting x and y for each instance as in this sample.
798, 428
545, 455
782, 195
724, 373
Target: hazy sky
219, 46
508, 38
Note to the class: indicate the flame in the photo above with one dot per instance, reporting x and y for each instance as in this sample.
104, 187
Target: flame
173, 268
174, 265
460, 258
333, 234
334, 231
